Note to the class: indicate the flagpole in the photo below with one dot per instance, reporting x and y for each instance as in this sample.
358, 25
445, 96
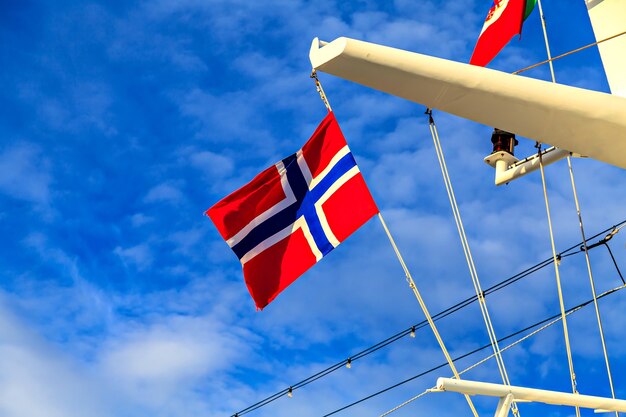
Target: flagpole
422, 304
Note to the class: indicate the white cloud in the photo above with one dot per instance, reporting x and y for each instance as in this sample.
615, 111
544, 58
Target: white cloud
198, 348
187, 241
172, 351
165, 192
151, 353
139, 256
140, 219
217, 117
24, 173
39, 380
212, 164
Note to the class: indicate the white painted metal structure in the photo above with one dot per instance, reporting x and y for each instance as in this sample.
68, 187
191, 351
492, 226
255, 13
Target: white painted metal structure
508, 394
608, 18
586, 122
509, 167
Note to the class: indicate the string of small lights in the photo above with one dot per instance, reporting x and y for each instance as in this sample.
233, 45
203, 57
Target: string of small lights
465, 355
411, 331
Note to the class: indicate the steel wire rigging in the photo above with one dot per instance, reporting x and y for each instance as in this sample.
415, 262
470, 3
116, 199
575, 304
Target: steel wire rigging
551, 320
584, 247
578, 248
482, 302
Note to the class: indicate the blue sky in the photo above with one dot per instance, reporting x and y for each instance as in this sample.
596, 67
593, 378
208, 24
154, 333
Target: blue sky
122, 122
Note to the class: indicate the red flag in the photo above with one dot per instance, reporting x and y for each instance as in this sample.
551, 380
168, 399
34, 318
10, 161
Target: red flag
295, 212
503, 21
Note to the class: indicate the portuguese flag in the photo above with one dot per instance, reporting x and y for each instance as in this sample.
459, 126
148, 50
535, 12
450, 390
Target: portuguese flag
504, 20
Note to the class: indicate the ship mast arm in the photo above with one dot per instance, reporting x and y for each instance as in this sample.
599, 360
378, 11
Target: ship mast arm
582, 121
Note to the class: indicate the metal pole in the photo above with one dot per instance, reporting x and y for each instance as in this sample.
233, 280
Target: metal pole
530, 394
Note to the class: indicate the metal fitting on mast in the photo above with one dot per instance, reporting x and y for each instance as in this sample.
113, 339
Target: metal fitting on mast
502, 155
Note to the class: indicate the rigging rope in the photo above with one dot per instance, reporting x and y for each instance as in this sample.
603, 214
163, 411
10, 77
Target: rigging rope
407, 273
558, 281
407, 402
586, 249
468, 354
430, 320
608, 248
442, 314
592, 283
468, 254
582, 48
431, 323
555, 319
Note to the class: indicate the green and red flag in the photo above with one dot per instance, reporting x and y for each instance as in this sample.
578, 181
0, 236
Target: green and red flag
504, 20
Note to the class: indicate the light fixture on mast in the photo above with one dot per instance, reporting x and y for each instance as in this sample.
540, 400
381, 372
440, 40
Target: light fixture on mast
502, 156
503, 141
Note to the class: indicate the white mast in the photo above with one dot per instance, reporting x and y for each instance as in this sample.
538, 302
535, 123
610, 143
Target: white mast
608, 18
582, 121
508, 394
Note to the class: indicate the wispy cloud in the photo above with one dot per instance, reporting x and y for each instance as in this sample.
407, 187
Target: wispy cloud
165, 192
139, 256
128, 121
25, 173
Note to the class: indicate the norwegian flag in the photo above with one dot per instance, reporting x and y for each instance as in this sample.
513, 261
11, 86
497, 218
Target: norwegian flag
294, 213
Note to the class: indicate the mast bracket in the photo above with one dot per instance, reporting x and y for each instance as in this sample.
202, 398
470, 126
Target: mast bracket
509, 167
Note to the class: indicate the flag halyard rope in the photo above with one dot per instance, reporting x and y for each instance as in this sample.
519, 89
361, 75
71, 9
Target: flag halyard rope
407, 273
468, 255
410, 280
320, 90
422, 304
